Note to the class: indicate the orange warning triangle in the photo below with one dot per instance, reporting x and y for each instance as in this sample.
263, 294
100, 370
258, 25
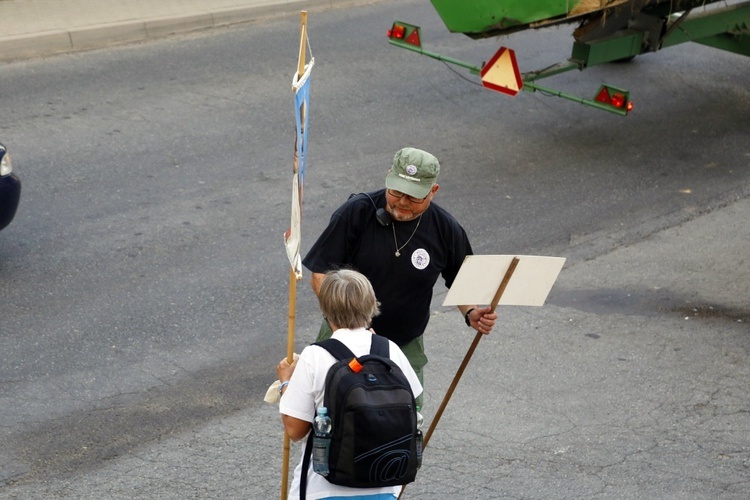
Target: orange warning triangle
501, 72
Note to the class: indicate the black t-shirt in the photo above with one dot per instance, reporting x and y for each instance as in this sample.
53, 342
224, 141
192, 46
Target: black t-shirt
355, 240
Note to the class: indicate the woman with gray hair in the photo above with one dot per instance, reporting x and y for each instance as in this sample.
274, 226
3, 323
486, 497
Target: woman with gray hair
348, 301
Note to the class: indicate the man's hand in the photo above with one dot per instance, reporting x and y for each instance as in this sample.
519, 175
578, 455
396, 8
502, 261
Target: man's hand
482, 319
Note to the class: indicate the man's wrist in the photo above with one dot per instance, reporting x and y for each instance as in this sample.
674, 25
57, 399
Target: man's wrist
466, 316
282, 386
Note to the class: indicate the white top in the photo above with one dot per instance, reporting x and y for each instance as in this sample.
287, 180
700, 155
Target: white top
304, 395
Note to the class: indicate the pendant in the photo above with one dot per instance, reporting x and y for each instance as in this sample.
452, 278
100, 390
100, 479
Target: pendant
398, 254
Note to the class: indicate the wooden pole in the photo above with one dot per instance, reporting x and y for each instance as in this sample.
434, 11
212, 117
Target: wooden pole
302, 44
292, 316
290, 359
465, 362
292, 276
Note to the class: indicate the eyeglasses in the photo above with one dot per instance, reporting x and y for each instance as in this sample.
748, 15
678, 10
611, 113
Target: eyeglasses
399, 195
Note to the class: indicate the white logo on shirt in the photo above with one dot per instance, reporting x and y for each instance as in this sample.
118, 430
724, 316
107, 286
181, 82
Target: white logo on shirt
420, 258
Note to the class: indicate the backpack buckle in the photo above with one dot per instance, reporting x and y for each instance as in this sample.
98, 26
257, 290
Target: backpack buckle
355, 366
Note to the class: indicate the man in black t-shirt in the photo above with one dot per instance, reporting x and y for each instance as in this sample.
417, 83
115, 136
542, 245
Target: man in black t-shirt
402, 242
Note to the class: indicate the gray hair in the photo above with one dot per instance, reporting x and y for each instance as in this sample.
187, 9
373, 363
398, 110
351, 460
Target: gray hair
347, 299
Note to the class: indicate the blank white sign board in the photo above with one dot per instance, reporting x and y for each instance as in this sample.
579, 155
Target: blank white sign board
480, 276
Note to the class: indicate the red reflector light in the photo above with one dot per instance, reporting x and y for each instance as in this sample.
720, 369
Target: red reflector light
612, 97
397, 32
618, 100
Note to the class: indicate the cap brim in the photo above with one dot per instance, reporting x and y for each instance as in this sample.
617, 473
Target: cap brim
417, 190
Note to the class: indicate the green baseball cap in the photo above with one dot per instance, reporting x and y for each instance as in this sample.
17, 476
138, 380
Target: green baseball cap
414, 172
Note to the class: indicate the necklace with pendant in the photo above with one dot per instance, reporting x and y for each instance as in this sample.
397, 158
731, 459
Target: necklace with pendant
399, 248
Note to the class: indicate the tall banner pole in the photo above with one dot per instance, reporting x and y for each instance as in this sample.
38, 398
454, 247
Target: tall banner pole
292, 238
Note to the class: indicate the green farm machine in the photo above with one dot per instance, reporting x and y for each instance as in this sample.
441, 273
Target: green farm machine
607, 31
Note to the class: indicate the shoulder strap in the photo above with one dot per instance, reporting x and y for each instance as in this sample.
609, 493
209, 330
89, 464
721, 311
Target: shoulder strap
305, 466
380, 346
337, 349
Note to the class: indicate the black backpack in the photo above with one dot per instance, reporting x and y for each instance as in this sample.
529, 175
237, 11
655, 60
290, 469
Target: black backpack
374, 420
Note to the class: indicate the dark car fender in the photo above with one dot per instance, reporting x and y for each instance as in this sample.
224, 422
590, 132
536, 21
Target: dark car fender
10, 194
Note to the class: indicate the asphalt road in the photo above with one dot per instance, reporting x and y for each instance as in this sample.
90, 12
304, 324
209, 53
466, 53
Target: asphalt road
144, 283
